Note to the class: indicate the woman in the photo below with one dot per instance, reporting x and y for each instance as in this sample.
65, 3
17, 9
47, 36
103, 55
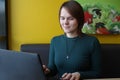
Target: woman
73, 55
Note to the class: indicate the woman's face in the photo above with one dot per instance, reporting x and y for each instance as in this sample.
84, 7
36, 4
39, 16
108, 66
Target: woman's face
68, 23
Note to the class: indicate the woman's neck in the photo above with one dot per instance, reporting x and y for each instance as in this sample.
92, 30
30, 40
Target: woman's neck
69, 35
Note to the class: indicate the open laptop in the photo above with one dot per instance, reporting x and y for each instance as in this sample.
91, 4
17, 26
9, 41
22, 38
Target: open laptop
20, 66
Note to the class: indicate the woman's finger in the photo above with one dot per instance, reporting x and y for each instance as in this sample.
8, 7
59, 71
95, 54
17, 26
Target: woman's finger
65, 74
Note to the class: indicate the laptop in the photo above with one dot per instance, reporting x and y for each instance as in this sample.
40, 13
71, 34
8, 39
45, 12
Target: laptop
15, 65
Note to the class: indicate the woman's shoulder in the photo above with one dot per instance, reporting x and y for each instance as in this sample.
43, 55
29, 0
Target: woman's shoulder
58, 37
89, 37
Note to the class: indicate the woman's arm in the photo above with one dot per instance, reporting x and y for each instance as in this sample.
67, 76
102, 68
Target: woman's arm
95, 70
51, 64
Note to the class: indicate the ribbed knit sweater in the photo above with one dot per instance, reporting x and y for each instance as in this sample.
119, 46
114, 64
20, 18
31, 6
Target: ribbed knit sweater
80, 54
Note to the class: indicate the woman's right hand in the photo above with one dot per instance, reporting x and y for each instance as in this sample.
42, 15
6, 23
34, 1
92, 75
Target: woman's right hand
46, 70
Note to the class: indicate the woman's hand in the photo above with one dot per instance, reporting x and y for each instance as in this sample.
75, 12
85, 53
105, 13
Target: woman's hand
71, 76
46, 70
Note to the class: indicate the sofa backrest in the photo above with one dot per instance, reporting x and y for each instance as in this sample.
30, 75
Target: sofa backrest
110, 57
111, 60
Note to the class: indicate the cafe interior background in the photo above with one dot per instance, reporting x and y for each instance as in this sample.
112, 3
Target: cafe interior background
36, 21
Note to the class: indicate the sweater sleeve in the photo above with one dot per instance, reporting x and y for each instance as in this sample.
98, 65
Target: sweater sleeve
51, 64
95, 70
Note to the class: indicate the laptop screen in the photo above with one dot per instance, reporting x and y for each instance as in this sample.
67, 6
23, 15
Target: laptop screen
20, 66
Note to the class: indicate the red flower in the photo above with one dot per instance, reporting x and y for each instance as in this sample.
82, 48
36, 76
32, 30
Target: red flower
88, 17
102, 30
116, 19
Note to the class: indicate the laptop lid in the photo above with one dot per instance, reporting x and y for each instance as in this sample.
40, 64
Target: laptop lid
20, 66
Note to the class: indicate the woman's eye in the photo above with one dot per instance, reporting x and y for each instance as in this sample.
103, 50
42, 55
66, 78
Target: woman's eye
62, 18
70, 18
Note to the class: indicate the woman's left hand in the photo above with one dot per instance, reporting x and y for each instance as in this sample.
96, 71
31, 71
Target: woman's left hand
71, 76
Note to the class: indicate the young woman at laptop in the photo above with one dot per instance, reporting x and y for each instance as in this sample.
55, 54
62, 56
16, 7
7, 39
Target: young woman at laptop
73, 55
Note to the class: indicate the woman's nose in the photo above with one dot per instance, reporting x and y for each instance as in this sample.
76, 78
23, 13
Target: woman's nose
66, 22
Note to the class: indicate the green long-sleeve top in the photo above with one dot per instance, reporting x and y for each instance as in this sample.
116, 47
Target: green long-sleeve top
80, 54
